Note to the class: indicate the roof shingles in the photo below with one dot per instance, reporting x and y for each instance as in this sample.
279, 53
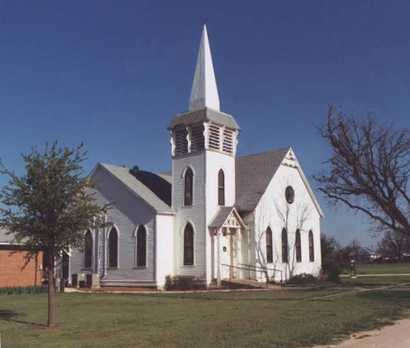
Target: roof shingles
253, 174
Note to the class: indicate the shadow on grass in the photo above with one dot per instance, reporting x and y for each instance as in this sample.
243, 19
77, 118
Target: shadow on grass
8, 315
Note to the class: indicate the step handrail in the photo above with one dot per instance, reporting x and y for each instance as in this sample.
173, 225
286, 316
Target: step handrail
256, 269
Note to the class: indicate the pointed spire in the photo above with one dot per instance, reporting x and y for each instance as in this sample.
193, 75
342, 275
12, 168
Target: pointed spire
204, 91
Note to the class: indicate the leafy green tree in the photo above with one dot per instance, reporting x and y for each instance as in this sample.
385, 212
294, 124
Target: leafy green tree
50, 206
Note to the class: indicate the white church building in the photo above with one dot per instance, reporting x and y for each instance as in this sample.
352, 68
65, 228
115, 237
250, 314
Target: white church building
216, 216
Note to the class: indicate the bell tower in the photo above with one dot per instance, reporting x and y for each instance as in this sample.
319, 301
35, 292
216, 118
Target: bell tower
203, 144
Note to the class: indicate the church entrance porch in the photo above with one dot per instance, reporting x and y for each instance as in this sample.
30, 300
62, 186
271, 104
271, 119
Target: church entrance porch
228, 252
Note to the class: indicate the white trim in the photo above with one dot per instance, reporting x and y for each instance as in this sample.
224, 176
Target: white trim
306, 182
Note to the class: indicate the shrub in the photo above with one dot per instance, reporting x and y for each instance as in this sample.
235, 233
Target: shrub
22, 290
333, 259
303, 278
183, 283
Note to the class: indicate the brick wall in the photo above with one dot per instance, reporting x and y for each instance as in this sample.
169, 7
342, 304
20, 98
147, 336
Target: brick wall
12, 270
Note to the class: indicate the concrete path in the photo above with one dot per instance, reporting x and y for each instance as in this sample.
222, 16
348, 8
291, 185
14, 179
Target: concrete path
393, 336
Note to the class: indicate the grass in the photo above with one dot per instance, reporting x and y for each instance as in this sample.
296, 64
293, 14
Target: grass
387, 268
375, 281
243, 319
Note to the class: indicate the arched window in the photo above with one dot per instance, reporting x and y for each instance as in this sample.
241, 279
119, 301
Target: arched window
141, 246
188, 245
113, 248
269, 246
285, 246
88, 249
221, 188
189, 185
311, 247
298, 245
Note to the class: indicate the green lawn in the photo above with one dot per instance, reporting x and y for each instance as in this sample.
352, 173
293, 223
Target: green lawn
393, 268
244, 319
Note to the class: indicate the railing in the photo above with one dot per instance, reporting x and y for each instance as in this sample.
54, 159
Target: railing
251, 268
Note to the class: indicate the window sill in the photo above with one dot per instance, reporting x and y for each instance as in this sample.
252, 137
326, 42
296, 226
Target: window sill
112, 269
140, 267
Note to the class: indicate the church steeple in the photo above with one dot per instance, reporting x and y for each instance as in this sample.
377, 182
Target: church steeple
204, 127
204, 93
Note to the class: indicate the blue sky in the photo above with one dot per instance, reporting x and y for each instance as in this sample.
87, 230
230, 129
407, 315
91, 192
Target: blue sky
112, 74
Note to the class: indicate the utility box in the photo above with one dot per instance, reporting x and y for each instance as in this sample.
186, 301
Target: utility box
95, 281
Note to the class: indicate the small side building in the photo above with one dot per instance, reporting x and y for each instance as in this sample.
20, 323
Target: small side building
15, 270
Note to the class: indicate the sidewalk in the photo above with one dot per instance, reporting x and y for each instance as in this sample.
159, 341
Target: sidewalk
392, 336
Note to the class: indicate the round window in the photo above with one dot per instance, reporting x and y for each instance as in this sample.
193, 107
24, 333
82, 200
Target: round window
290, 194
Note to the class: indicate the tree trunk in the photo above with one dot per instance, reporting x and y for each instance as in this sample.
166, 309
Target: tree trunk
51, 292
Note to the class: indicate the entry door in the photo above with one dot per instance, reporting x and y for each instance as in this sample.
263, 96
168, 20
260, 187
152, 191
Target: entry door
233, 249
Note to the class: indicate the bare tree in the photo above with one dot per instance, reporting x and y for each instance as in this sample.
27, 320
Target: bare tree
292, 217
368, 170
301, 215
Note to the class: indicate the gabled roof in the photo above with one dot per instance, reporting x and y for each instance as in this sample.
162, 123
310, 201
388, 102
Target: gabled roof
222, 215
156, 183
253, 175
152, 188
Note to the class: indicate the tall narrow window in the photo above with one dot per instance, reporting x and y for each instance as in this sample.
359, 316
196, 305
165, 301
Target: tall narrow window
88, 250
189, 184
113, 248
311, 247
141, 246
221, 188
298, 246
188, 245
285, 246
269, 246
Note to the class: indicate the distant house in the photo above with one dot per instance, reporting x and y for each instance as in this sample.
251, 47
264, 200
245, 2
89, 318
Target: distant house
15, 271
214, 216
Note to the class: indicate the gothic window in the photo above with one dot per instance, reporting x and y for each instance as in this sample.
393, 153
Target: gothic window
269, 246
311, 247
290, 194
188, 245
221, 188
285, 246
88, 249
113, 248
298, 246
189, 185
141, 246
